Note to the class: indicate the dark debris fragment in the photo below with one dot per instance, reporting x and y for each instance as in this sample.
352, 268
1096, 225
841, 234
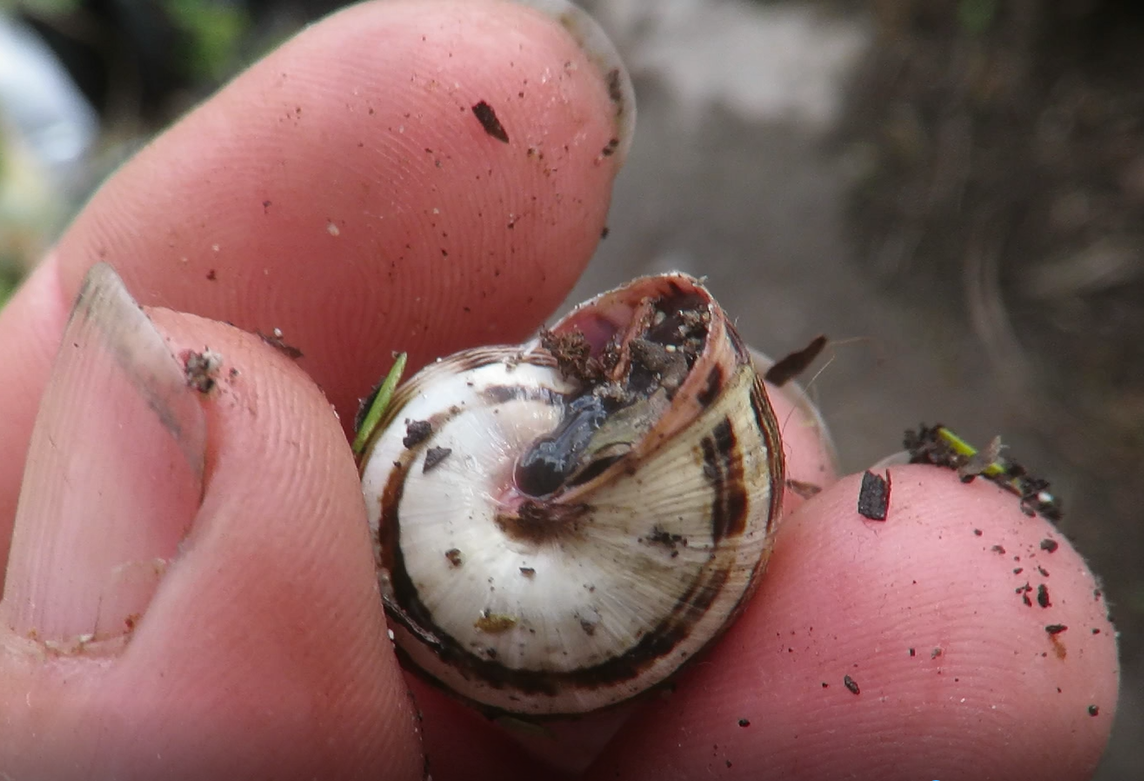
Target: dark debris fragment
660, 536
925, 446
201, 369
874, 496
434, 456
850, 684
488, 119
1024, 592
786, 369
939, 446
416, 432
573, 354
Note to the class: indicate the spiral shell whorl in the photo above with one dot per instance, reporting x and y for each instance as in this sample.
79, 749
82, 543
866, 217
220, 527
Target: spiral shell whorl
590, 594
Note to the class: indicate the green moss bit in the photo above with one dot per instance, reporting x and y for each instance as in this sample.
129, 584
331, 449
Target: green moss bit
378, 404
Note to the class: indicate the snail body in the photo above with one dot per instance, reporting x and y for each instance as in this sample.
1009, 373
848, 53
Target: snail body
560, 525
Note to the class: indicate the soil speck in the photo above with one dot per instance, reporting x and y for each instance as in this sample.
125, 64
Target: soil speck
489, 121
416, 432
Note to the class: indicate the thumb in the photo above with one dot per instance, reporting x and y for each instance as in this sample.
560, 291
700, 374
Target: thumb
190, 591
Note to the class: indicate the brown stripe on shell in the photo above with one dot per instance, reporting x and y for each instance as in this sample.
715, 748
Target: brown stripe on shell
457, 364
391, 561
395, 485
723, 465
503, 394
538, 522
472, 359
688, 611
759, 408
713, 387
776, 466
741, 351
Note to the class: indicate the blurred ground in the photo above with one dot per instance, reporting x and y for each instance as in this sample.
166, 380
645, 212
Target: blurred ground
952, 190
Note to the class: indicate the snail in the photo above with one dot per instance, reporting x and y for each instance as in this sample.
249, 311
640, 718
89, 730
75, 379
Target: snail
561, 525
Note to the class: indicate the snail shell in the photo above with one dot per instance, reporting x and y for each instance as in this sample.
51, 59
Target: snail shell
561, 525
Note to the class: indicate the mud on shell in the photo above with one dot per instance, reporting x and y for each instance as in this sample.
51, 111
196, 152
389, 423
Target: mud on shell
561, 525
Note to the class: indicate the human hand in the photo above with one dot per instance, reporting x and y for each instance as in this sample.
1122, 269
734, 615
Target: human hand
342, 191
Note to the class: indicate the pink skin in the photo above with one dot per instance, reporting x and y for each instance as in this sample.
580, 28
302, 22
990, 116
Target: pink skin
262, 651
318, 133
848, 596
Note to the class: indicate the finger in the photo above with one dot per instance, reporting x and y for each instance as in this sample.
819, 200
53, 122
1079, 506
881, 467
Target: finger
925, 613
343, 191
261, 652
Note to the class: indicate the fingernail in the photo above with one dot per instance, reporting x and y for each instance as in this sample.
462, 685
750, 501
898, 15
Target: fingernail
599, 48
113, 475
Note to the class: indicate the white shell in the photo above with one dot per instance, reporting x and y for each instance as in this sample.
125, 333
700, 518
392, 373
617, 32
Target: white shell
614, 582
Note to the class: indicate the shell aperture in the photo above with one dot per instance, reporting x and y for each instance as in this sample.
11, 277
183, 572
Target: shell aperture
578, 516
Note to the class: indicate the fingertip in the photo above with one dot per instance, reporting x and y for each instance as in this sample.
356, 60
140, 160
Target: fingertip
343, 190
904, 648
262, 651
268, 625
603, 55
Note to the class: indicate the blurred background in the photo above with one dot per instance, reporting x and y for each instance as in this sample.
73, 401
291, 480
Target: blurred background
952, 190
